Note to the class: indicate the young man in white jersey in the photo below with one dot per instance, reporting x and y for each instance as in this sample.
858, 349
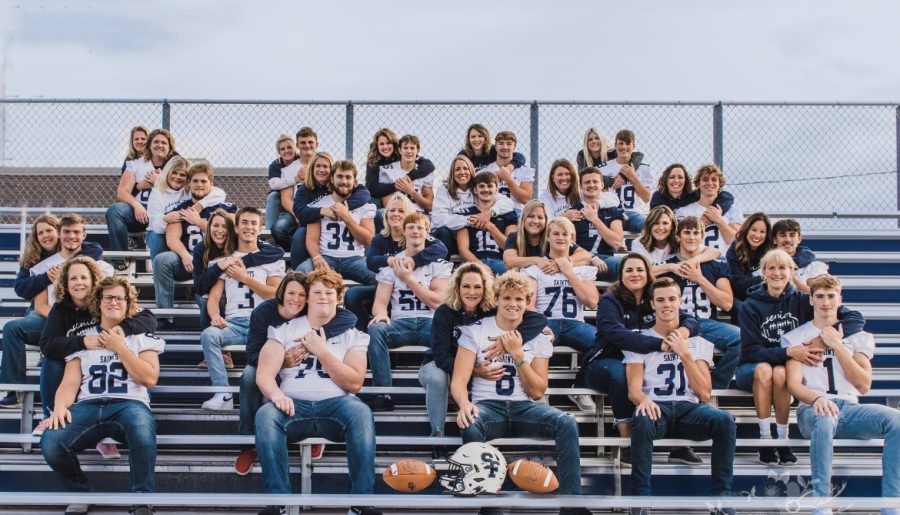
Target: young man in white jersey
721, 228
243, 289
412, 294
632, 185
177, 263
787, 237
315, 398
419, 191
829, 393
705, 289
669, 389
484, 244
110, 384
600, 230
341, 244
515, 183
507, 408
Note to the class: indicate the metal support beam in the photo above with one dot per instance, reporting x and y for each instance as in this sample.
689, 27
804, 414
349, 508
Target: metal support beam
166, 110
718, 136
348, 132
534, 146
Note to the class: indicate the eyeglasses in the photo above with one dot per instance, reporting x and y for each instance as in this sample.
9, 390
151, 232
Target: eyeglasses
109, 299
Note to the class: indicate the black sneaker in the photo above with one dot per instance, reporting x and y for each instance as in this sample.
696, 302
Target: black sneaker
439, 453
686, 456
786, 456
142, 509
382, 402
625, 456
767, 456
366, 510
166, 326
132, 245
272, 510
11, 401
574, 511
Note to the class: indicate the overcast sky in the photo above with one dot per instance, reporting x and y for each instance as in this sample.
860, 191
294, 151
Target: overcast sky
453, 50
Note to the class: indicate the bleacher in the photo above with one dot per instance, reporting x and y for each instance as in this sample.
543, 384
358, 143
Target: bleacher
197, 448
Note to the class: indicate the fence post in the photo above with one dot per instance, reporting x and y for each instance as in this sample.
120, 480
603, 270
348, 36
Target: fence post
348, 131
718, 145
165, 114
534, 147
897, 157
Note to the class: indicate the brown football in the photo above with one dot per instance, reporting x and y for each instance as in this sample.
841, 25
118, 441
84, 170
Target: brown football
532, 477
409, 476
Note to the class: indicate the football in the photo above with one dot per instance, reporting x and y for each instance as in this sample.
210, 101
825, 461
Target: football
532, 477
409, 476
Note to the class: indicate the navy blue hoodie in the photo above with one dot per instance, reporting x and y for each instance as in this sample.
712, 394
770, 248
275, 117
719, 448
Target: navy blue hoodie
66, 323
27, 287
619, 326
382, 248
765, 318
304, 197
803, 256
266, 315
423, 168
205, 279
518, 160
741, 278
724, 200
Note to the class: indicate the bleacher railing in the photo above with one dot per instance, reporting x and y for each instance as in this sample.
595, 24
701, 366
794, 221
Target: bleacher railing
785, 157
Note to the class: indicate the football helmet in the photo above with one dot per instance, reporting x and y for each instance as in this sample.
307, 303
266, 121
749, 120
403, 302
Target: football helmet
475, 468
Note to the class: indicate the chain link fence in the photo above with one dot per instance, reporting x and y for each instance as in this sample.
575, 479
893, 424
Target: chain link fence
777, 157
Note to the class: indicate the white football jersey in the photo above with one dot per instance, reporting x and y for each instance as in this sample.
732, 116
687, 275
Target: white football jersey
555, 295
57, 259
556, 204
391, 173
239, 298
520, 175
140, 168
289, 172
335, 238
104, 375
712, 236
828, 378
664, 375
404, 302
656, 256
509, 388
308, 381
628, 199
814, 269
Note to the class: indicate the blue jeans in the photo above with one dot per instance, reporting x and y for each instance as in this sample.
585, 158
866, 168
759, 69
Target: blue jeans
612, 267
167, 268
573, 333
437, 390
204, 315
298, 247
726, 338
497, 266
446, 236
358, 300
608, 376
93, 420
340, 419
861, 421
351, 267
119, 222
517, 419
273, 208
251, 400
16, 335
283, 230
406, 331
156, 243
212, 339
635, 221
52, 371
684, 419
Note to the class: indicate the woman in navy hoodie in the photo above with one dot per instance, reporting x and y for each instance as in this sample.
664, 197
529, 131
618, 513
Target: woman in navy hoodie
623, 311
314, 187
674, 190
772, 309
750, 244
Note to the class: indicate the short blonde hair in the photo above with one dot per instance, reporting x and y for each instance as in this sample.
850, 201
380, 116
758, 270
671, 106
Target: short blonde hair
560, 222
514, 281
824, 282
407, 208
776, 256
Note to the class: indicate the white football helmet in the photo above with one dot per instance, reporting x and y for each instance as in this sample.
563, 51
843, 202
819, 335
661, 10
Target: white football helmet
475, 468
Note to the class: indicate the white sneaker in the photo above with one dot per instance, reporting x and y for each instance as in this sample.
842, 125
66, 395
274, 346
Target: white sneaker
75, 509
220, 402
584, 402
822, 511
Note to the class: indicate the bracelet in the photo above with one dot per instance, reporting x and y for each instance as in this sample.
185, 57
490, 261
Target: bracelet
519, 364
817, 399
319, 256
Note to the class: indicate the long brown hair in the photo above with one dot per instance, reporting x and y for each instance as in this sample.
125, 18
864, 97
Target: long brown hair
646, 237
746, 254
625, 296
374, 156
33, 250
481, 129
452, 186
211, 251
573, 197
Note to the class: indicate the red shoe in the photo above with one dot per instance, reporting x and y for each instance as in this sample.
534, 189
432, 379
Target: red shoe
244, 462
317, 450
